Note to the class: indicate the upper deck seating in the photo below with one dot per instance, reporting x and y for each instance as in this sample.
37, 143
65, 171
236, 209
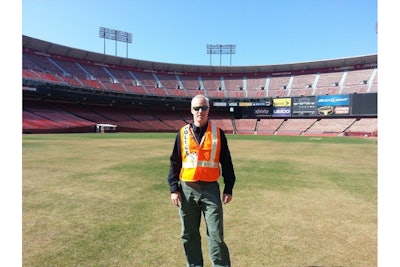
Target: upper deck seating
278, 86
328, 83
302, 85
171, 84
356, 81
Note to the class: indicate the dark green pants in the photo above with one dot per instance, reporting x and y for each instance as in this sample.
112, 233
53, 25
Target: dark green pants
203, 198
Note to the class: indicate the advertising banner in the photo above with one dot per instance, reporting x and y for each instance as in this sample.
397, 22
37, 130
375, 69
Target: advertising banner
328, 105
220, 104
245, 104
281, 112
282, 102
304, 106
282, 107
256, 112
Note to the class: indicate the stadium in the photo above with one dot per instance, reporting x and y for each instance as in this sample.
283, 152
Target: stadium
71, 90
98, 131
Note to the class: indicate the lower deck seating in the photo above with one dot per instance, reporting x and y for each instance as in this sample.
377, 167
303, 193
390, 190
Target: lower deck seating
76, 117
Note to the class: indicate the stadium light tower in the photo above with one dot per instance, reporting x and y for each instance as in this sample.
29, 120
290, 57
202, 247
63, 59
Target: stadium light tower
221, 49
116, 35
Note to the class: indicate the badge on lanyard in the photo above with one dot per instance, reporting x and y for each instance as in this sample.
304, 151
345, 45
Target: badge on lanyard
192, 158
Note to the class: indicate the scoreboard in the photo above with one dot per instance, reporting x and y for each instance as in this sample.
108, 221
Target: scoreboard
344, 105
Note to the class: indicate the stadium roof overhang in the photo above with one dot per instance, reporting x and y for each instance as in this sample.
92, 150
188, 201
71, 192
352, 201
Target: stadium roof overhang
51, 48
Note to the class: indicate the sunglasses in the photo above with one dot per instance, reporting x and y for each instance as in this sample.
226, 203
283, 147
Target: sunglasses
203, 108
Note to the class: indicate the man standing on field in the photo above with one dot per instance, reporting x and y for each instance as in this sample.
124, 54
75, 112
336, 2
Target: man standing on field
199, 155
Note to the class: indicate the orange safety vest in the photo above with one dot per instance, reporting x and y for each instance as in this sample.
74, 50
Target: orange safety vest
200, 162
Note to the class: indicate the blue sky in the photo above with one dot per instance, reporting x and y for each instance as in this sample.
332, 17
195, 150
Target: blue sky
177, 31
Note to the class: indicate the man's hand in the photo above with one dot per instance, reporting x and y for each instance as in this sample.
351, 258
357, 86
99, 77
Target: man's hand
176, 198
226, 198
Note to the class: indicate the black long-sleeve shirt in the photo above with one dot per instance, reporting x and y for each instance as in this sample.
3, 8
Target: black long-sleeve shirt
225, 160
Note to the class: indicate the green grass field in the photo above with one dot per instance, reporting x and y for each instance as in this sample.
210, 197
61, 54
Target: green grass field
103, 200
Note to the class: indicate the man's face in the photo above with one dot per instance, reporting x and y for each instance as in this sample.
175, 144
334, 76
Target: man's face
200, 116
